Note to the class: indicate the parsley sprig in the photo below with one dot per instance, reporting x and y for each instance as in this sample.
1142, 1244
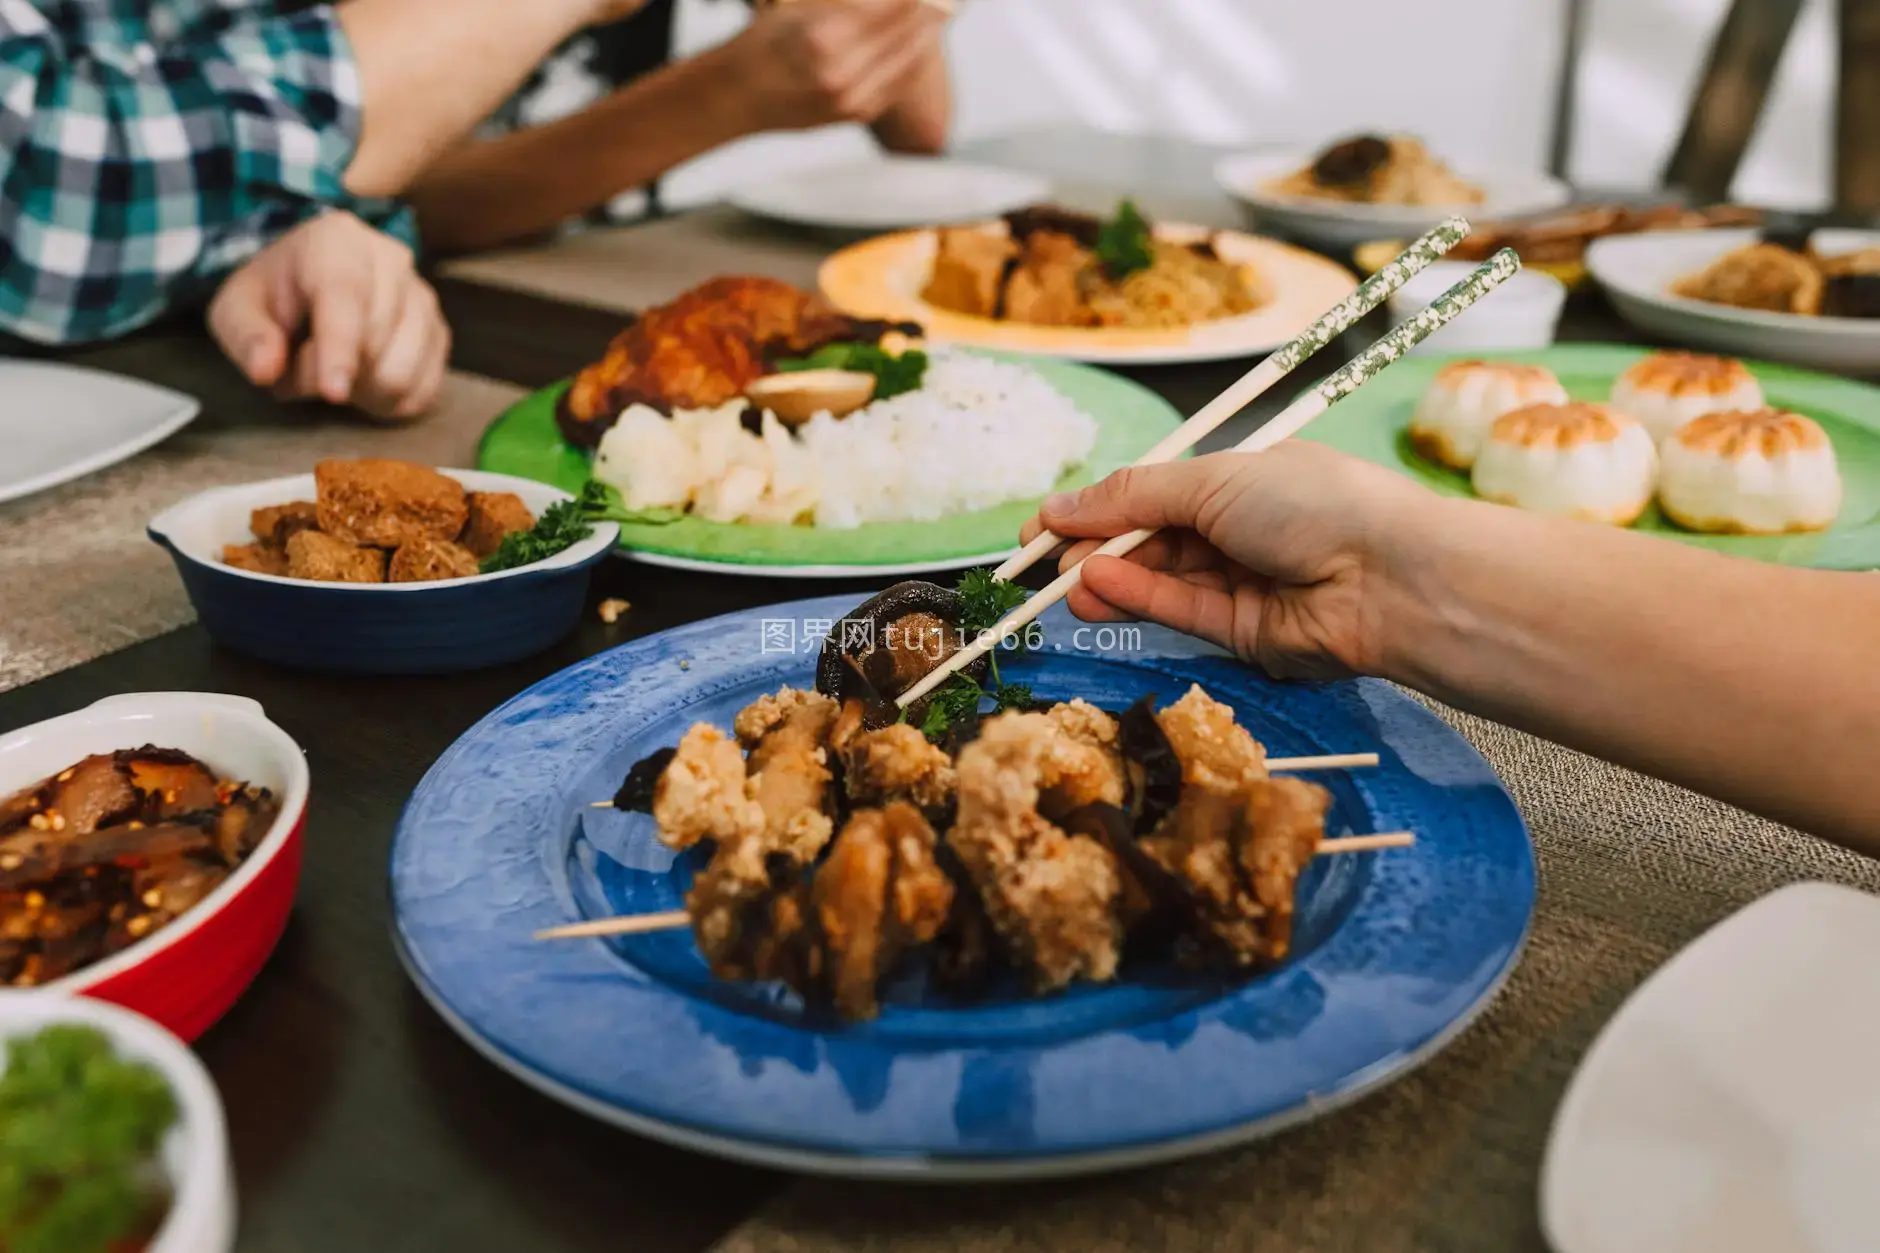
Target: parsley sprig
984, 601
894, 375
1123, 242
568, 522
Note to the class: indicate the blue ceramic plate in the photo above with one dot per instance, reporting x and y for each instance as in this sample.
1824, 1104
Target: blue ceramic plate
1395, 951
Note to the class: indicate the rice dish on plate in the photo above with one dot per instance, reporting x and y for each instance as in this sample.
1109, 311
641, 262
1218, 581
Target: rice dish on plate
977, 433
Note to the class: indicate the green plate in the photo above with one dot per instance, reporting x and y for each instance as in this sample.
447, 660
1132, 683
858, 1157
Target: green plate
1130, 420
1373, 423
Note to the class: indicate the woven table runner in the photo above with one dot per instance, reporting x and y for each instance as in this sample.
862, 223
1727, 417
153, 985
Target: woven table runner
629, 268
78, 576
1446, 1160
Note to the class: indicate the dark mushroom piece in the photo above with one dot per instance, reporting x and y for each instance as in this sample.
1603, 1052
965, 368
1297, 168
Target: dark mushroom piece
1351, 163
891, 642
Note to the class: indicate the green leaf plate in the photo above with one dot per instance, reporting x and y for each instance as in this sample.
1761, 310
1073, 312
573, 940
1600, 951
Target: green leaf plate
1130, 420
1374, 422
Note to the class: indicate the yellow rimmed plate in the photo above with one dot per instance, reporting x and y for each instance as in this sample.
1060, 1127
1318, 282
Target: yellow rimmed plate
883, 278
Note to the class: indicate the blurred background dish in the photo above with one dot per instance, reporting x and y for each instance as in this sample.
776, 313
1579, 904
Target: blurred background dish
1265, 184
1642, 274
200, 1211
101, 420
1556, 243
890, 194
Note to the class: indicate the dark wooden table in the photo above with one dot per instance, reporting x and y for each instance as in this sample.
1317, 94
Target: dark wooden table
359, 1121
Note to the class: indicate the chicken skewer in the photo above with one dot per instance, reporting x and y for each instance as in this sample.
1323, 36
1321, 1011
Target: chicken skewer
1257, 381
1277, 765
678, 919
1288, 423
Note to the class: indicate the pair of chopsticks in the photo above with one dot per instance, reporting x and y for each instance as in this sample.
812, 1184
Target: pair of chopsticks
1289, 422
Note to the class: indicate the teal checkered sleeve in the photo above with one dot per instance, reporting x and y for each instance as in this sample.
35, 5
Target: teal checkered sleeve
147, 149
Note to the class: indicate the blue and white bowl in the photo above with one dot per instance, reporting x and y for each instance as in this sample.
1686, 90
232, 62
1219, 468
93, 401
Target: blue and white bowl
442, 627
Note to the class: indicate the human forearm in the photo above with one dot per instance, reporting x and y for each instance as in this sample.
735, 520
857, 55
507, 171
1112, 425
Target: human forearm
430, 72
1753, 683
919, 121
496, 191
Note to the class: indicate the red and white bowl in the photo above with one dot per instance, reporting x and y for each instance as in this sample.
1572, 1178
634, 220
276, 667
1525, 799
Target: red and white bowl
186, 975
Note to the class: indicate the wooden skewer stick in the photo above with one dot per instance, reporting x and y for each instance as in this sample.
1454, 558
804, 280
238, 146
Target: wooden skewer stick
1331, 761
1336, 320
675, 919
1293, 419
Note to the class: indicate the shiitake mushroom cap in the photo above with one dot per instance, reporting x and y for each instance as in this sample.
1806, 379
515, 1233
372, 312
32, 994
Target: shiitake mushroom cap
844, 674
1351, 162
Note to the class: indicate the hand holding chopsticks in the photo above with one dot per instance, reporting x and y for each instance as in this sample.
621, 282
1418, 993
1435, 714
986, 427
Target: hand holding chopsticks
1255, 383
1288, 423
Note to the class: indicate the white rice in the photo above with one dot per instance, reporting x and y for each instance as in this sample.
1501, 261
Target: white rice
978, 433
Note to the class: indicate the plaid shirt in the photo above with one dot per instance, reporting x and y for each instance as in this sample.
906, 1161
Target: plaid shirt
148, 148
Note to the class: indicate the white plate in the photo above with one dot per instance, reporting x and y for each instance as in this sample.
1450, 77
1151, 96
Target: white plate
195, 1153
1733, 1106
891, 194
1340, 224
61, 422
1637, 272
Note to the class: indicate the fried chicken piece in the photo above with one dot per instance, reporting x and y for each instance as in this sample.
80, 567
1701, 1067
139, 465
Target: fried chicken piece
1285, 824
701, 793
880, 893
492, 516
1216, 752
1052, 897
426, 559
1096, 777
702, 350
1237, 839
789, 768
384, 504
256, 558
276, 524
897, 763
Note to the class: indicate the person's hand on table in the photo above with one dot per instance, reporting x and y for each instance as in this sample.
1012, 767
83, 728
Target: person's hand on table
336, 310
1278, 556
806, 63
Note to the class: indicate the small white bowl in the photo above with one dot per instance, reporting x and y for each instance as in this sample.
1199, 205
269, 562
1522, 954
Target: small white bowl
1343, 224
195, 1155
1521, 313
1637, 272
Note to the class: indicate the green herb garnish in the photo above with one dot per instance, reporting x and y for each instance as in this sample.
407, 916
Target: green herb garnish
80, 1130
960, 698
568, 522
894, 375
985, 600
1124, 242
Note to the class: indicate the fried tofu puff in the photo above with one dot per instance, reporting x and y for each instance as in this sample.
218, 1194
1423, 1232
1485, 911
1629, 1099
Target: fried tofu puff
789, 769
1052, 896
1237, 839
